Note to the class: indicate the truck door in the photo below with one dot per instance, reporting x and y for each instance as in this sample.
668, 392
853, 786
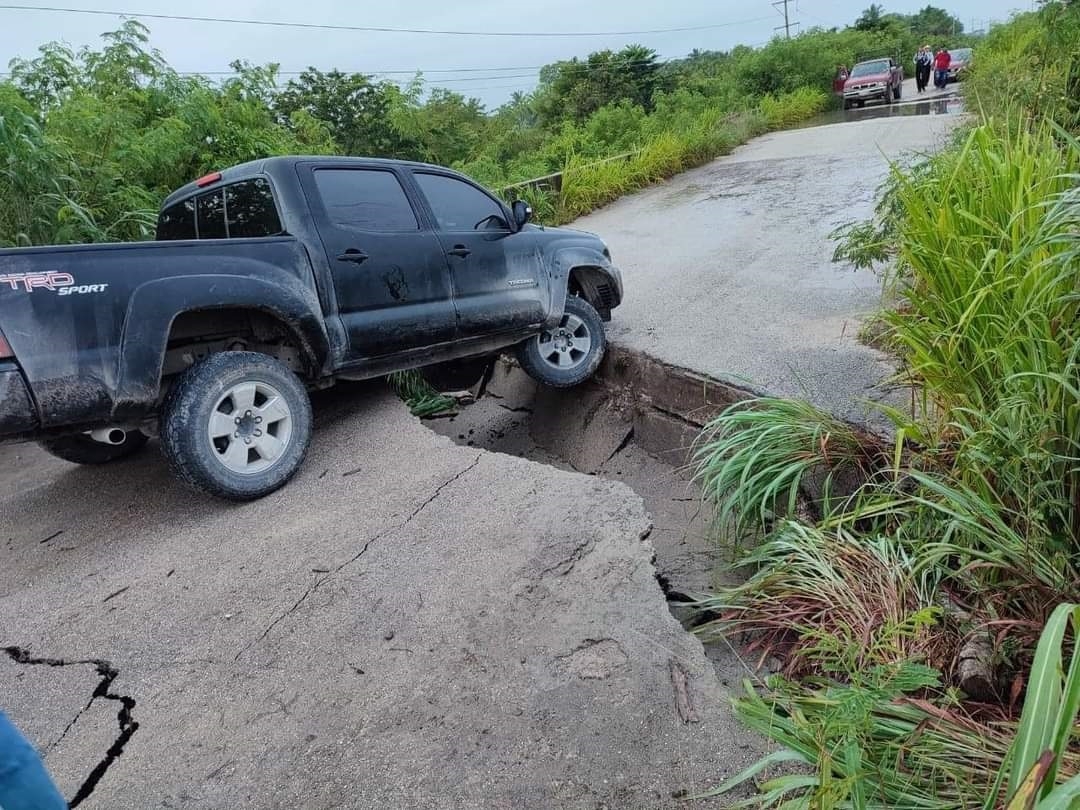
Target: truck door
496, 273
391, 278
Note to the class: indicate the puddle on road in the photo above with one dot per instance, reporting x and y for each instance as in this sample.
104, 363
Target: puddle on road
948, 104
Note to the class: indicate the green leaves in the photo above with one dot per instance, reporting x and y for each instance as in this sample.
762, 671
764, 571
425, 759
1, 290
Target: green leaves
874, 744
422, 399
752, 459
1050, 713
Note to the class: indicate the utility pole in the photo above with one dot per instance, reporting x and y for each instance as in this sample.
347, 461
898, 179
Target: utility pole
787, 23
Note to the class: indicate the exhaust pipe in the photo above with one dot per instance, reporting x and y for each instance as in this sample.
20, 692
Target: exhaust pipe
110, 435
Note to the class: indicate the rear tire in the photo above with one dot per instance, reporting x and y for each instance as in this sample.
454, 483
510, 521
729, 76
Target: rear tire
569, 354
236, 425
81, 449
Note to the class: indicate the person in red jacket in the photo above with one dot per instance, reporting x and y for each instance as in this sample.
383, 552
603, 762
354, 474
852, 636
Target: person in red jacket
941, 68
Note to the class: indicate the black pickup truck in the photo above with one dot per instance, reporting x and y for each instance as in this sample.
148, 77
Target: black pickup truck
271, 279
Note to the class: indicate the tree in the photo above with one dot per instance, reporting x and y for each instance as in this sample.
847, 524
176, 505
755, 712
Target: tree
95, 139
872, 19
450, 126
574, 90
931, 22
356, 110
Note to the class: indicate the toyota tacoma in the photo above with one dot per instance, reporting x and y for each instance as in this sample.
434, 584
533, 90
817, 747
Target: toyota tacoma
274, 278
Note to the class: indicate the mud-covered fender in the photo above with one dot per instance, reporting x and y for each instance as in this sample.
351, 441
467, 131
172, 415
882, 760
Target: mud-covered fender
563, 262
154, 306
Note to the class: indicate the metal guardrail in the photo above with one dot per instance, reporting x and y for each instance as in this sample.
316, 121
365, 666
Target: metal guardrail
554, 182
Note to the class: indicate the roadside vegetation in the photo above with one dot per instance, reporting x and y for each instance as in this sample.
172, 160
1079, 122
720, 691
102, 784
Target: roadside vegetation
94, 139
919, 592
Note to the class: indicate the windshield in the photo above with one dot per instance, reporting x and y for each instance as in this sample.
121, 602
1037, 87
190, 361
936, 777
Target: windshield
870, 68
961, 55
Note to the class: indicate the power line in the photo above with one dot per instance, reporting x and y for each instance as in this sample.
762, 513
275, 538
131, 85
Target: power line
786, 27
372, 28
501, 72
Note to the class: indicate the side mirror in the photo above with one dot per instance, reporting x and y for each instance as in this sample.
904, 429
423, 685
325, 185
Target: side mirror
522, 213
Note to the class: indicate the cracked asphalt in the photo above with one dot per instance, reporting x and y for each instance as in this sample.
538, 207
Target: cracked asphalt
408, 624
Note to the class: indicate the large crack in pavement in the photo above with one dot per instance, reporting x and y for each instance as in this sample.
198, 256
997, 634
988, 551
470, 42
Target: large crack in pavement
126, 723
329, 575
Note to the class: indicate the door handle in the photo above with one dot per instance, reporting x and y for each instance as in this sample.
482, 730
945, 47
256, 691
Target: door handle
353, 255
459, 250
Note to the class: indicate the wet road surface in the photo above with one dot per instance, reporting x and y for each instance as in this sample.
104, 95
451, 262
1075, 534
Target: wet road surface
728, 267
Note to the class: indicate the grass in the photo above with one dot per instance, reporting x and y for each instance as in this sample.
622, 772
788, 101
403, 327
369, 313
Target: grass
789, 109
753, 459
824, 600
417, 393
667, 149
949, 549
877, 744
588, 184
892, 738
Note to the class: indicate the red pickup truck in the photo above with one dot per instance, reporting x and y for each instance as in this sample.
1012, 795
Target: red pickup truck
873, 80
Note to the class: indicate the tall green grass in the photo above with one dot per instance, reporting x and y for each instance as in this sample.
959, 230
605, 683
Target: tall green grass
423, 400
891, 738
788, 109
968, 528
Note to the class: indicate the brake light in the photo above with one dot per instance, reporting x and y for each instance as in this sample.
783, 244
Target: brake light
208, 179
5, 349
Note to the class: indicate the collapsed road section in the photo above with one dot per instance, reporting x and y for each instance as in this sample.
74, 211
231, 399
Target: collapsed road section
636, 421
410, 623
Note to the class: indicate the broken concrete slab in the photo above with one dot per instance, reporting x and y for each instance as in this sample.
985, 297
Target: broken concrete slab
515, 389
687, 559
410, 624
583, 425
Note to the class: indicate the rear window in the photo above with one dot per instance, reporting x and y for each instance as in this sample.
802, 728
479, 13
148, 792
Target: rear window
177, 221
239, 210
249, 208
210, 215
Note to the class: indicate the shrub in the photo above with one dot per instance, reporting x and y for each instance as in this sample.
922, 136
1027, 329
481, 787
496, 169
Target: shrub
792, 108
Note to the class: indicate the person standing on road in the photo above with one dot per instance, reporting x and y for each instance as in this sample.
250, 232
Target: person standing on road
941, 68
838, 81
924, 62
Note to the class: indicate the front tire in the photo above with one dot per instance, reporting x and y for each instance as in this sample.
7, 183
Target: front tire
897, 91
236, 425
570, 353
81, 449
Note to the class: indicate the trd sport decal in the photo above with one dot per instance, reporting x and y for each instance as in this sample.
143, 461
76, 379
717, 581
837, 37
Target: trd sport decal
60, 283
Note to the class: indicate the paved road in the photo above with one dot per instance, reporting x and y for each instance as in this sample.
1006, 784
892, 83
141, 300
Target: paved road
727, 267
408, 624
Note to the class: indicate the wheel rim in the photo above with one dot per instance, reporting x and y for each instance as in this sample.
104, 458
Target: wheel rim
567, 346
250, 427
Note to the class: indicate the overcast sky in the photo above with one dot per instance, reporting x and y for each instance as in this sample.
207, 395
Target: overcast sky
204, 46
